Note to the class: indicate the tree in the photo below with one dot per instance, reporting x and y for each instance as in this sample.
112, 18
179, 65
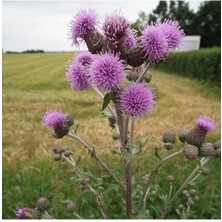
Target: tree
208, 23
205, 22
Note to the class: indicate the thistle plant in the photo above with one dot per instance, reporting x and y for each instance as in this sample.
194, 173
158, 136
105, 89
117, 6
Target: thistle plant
116, 66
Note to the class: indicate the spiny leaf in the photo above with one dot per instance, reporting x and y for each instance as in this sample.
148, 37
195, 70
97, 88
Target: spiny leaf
156, 153
106, 100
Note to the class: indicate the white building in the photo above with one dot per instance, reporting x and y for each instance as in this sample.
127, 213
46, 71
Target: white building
190, 42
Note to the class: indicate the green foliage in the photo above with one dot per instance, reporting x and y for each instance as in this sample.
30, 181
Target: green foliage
203, 64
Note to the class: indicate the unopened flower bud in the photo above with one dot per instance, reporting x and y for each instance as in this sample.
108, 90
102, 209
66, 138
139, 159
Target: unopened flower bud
185, 192
112, 119
196, 198
169, 137
47, 217
71, 206
181, 207
148, 77
57, 150
168, 146
182, 134
217, 144
192, 192
67, 153
205, 171
115, 136
206, 149
218, 152
190, 201
170, 178
60, 132
42, 203
94, 41
131, 76
190, 152
135, 56
57, 157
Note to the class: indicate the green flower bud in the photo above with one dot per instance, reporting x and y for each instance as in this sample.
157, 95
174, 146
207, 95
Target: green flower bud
196, 198
47, 216
115, 136
170, 178
191, 152
67, 153
218, 152
192, 192
57, 157
71, 206
217, 144
206, 149
190, 201
148, 77
42, 203
168, 146
182, 134
169, 137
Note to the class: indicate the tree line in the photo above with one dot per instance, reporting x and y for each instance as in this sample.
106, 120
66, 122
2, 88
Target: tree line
206, 22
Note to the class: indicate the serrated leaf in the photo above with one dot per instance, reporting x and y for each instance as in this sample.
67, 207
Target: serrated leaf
139, 145
106, 100
156, 153
126, 153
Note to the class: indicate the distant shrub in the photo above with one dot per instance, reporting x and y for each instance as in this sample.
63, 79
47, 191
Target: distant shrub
203, 64
34, 51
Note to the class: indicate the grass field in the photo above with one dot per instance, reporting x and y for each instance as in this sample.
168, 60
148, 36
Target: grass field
36, 83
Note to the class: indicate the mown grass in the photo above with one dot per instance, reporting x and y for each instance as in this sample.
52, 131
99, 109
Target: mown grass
36, 83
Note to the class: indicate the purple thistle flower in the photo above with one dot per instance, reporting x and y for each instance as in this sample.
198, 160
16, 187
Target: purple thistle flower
205, 123
77, 76
154, 43
54, 119
20, 213
84, 58
173, 33
114, 27
136, 99
83, 23
129, 40
106, 71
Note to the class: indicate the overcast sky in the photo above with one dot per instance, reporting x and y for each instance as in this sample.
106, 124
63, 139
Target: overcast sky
44, 24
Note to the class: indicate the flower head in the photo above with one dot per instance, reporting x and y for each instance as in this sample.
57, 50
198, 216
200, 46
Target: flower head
136, 99
84, 58
20, 213
173, 33
106, 71
154, 43
77, 76
83, 23
129, 40
114, 27
205, 123
54, 118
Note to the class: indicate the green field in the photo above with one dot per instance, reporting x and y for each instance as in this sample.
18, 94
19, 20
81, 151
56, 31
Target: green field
35, 83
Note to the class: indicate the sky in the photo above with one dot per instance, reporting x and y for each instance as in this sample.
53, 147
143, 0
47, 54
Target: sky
45, 24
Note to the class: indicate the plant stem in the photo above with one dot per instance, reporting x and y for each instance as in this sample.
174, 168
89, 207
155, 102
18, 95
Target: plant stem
77, 215
140, 78
131, 130
95, 156
180, 190
88, 186
152, 175
170, 191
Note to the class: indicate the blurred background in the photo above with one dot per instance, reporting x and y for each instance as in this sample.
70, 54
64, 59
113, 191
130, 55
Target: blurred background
35, 52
